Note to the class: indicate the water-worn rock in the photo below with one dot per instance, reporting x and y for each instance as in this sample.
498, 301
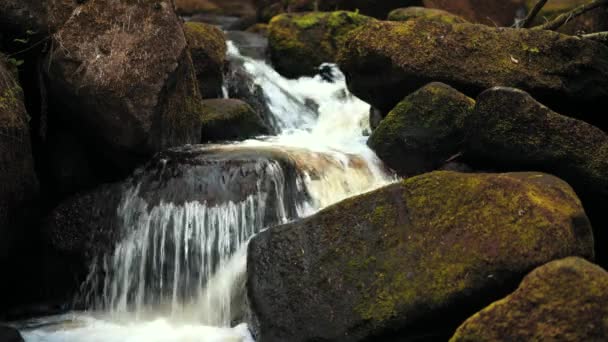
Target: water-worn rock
412, 13
386, 264
300, 42
488, 12
124, 74
18, 181
509, 130
564, 300
230, 119
207, 46
424, 130
566, 73
8, 334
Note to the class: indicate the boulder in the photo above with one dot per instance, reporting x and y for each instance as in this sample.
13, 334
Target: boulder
509, 130
18, 180
566, 73
564, 300
424, 130
413, 13
230, 119
300, 42
207, 46
384, 265
595, 20
488, 12
8, 334
124, 75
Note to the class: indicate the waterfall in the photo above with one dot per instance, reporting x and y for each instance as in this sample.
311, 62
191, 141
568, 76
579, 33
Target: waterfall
178, 272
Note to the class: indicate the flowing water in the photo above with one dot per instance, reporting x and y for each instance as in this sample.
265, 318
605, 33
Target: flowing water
179, 272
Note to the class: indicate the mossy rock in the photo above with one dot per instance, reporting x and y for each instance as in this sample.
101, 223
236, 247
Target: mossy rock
124, 74
567, 73
424, 130
299, 43
487, 12
595, 20
387, 263
207, 46
413, 13
230, 119
564, 300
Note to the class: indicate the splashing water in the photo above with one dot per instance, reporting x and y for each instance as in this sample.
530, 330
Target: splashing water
179, 273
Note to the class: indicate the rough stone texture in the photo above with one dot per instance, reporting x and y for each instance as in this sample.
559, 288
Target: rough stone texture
593, 21
509, 130
386, 264
208, 50
566, 73
18, 182
488, 12
412, 13
300, 42
266, 9
424, 130
124, 73
230, 119
564, 300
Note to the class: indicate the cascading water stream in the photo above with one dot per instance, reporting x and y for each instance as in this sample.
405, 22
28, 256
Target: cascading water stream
178, 274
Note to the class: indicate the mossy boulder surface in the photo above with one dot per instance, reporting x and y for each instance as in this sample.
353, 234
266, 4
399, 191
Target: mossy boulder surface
124, 74
230, 119
566, 73
413, 13
300, 42
424, 130
207, 46
389, 262
487, 12
564, 300
18, 181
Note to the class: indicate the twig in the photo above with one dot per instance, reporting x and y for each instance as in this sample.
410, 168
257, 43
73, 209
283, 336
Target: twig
598, 36
527, 21
564, 18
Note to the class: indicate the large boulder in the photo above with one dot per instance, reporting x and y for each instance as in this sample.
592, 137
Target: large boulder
509, 130
299, 43
567, 73
208, 50
424, 130
488, 12
230, 119
386, 264
413, 13
565, 300
18, 180
123, 74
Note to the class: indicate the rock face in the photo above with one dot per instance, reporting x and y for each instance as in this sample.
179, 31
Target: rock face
124, 74
412, 13
208, 50
8, 334
488, 12
566, 73
424, 130
509, 130
564, 300
386, 264
18, 180
266, 9
299, 43
230, 119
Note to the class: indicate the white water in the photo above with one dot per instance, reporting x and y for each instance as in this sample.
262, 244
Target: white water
179, 274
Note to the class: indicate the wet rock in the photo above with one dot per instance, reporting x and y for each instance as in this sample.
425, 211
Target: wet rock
488, 12
207, 46
386, 264
230, 119
124, 74
413, 13
424, 130
299, 43
566, 73
375, 117
8, 334
509, 130
259, 28
564, 300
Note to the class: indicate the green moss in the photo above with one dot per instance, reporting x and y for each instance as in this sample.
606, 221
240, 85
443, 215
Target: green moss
415, 13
